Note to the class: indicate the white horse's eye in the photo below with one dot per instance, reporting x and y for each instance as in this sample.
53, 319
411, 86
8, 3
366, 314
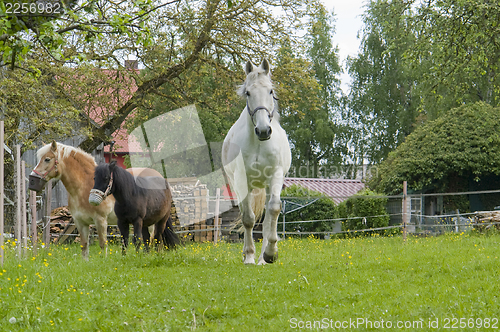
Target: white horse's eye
247, 93
47, 159
271, 92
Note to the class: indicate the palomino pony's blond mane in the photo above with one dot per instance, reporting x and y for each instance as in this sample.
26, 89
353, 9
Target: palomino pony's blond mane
64, 151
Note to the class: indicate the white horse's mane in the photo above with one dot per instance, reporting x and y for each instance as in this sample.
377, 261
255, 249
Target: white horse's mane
257, 75
63, 151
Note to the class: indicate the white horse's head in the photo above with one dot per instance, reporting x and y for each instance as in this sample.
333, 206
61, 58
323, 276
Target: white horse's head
259, 92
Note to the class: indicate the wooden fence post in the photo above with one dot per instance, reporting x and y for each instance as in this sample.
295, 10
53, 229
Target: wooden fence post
1, 192
34, 230
405, 209
216, 215
48, 207
24, 226
18, 201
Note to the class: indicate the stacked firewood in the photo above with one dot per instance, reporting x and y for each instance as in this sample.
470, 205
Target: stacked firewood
482, 220
191, 203
60, 218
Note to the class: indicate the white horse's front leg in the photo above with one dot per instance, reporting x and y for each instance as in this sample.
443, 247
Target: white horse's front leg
269, 253
266, 230
248, 219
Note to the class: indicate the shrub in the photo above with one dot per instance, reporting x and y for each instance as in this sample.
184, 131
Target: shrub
362, 205
323, 208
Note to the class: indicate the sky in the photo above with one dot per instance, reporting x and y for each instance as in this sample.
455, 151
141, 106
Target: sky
347, 25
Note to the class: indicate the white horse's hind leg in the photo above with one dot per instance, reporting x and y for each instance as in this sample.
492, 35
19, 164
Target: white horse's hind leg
248, 219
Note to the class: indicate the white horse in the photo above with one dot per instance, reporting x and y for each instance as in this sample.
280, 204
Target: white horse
256, 156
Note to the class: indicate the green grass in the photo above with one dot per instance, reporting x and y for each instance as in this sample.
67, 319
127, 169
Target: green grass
207, 288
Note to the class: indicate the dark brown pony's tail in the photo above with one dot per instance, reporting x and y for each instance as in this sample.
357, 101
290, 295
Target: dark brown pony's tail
170, 238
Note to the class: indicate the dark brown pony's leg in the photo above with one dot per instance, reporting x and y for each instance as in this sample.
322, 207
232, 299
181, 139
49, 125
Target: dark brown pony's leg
159, 228
137, 239
124, 231
146, 237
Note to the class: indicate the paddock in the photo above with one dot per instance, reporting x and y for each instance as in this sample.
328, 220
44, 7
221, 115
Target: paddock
365, 280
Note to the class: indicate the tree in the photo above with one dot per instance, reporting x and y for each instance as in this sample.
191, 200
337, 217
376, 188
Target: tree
459, 151
31, 107
458, 48
311, 120
382, 102
417, 60
168, 38
68, 30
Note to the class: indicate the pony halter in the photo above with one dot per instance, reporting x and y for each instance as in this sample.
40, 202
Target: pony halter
38, 180
96, 196
44, 175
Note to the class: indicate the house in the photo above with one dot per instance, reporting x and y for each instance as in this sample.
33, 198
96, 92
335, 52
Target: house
337, 189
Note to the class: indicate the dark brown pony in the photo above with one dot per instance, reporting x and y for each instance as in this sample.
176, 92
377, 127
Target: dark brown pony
141, 201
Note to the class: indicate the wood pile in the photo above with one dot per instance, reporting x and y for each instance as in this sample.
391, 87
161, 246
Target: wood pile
190, 204
482, 220
61, 225
201, 232
59, 219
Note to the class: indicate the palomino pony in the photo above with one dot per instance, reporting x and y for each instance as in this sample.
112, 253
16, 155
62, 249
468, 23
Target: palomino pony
142, 201
256, 156
75, 168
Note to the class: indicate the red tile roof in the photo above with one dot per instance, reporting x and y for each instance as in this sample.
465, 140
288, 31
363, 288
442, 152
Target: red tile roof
338, 189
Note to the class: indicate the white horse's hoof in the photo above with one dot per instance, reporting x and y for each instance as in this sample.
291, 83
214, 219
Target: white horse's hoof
270, 258
249, 260
261, 261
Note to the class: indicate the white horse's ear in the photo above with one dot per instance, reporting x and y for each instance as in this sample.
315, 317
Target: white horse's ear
265, 65
248, 67
54, 146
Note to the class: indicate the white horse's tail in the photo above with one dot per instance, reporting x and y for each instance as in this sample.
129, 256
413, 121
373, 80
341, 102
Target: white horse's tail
258, 206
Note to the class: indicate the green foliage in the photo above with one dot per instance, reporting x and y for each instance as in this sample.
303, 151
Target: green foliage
381, 102
166, 38
35, 108
323, 208
310, 95
457, 53
418, 60
362, 205
447, 154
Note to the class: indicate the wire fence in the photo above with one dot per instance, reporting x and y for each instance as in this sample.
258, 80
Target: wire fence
418, 223
442, 224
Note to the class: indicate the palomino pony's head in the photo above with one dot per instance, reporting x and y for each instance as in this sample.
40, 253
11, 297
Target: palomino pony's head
259, 92
47, 167
51, 163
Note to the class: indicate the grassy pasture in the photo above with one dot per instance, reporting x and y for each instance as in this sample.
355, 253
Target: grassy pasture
425, 284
